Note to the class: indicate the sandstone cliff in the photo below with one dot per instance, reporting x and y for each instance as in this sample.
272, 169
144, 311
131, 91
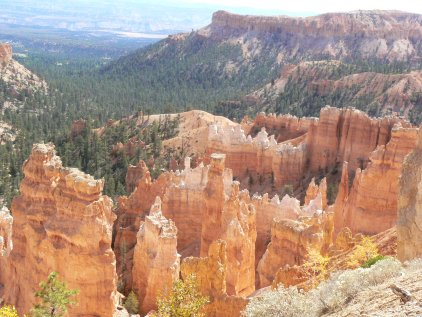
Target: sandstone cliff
205, 205
134, 175
233, 220
210, 272
383, 92
5, 54
384, 34
290, 242
156, 264
130, 212
62, 223
266, 211
409, 224
339, 135
371, 205
346, 135
283, 127
6, 242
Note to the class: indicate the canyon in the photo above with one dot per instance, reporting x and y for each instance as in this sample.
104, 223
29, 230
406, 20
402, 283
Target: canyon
203, 220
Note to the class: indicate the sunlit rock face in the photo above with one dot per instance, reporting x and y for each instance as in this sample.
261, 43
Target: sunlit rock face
211, 274
156, 263
389, 35
131, 211
62, 223
230, 218
409, 222
205, 204
370, 206
290, 243
5, 54
6, 222
347, 135
320, 145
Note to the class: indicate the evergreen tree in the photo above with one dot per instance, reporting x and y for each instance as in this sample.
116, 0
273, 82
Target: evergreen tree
55, 298
132, 303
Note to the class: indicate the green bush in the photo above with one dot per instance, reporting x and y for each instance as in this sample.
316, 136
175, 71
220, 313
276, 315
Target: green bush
132, 303
372, 261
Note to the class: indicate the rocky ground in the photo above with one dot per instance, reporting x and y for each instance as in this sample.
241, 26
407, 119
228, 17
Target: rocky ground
380, 301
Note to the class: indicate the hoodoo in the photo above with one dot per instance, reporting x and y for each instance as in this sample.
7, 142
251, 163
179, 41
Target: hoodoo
62, 223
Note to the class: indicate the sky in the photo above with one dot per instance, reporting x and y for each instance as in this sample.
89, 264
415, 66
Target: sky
307, 7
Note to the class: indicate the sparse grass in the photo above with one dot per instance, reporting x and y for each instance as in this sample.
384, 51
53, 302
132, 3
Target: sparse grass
329, 296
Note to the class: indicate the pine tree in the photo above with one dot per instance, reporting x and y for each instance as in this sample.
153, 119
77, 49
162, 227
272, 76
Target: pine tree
132, 303
55, 298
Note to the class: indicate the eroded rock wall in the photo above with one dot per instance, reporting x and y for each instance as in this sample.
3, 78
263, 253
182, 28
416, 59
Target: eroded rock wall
62, 223
210, 272
156, 263
371, 205
6, 242
283, 127
409, 206
130, 212
5, 53
346, 135
290, 242
230, 218
338, 135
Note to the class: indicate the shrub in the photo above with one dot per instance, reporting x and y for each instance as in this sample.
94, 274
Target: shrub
316, 266
344, 285
55, 298
132, 303
282, 302
364, 251
184, 300
372, 261
288, 189
8, 311
329, 296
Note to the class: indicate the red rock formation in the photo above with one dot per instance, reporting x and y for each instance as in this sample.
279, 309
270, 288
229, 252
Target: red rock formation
381, 34
339, 135
386, 242
283, 127
6, 221
156, 264
210, 273
134, 175
371, 205
409, 222
5, 53
188, 195
233, 220
184, 202
384, 92
260, 159
290, 241
314, 190
346, 135
289, 276
266, 211
130, 212
62, 223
